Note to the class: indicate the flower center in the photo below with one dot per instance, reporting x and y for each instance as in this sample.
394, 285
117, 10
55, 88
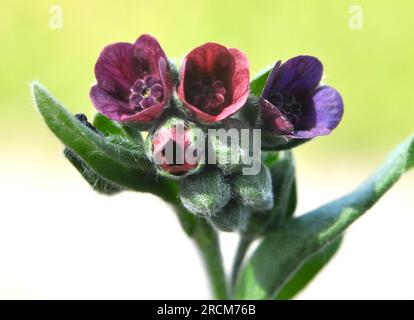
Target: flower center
208, 95
145, 93
289, 106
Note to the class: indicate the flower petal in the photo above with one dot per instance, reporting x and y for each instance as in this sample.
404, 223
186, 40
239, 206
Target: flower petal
152, 60
271, 80
147, 51
108, 105
274, 118
119, 110
116, 69
297, 76
328, 111
240, 81
210, 58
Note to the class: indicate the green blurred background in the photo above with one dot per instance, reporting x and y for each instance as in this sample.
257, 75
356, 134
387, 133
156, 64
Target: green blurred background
373, 67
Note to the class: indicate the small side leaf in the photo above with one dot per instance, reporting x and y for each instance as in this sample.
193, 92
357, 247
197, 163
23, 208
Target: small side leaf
113, 129
284, 251
75, 135
257, 84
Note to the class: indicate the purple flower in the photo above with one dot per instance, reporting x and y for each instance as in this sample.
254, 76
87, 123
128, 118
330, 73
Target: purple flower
294, 105
133, 83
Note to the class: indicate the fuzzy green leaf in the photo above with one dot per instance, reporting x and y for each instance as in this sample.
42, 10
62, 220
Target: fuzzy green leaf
103, 157
126, 167
308, 271
95, 181
285, 250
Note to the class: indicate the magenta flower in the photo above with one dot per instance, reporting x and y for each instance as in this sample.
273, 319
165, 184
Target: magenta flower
294, 105
214, 82
133, 83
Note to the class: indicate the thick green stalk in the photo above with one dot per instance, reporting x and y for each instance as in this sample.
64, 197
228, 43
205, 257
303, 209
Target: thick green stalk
242, 248
208, 243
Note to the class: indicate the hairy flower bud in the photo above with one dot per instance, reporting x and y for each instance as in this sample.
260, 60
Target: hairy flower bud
231, 218
234, 147
205, 193
254, 191
282, 170
176, 148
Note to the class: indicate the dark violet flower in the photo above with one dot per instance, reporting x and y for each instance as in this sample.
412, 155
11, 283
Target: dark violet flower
173, 148
214, 82
294, 105
133, 83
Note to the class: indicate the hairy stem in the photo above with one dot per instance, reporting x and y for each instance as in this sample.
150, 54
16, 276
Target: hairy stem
208, 243
242, 248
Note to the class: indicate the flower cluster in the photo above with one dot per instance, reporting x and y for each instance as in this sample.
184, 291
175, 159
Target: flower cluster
138, 86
